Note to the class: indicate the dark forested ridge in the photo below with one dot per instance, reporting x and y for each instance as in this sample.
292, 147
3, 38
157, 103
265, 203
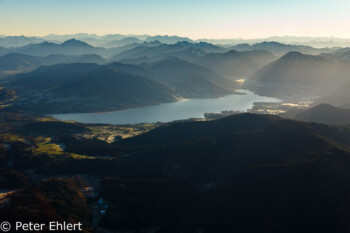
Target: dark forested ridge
282, 175
88, 87
323, 113
230, 173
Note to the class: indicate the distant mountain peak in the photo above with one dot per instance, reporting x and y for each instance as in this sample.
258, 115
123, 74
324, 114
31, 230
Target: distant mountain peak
232, 51
296, 56
205, 43
271, 43
153, 42
74, 42
183, 43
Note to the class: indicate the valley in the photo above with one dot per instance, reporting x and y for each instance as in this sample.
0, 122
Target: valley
181, 110
162, 134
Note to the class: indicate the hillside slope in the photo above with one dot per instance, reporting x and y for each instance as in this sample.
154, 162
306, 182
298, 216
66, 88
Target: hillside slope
245, 169
235, 65
90, 87
187, 79
339, 96
323, 113
299, 74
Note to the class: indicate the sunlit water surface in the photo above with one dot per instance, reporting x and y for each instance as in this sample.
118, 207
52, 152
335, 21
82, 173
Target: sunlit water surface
185, 109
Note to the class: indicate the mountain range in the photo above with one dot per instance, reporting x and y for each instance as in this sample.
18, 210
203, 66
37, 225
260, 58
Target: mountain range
280, 49
201, 70
122, 42
69, 47
322, 113
24, 62
340, 54
234, 64
298, 74
190, 80
18, 41
242, 173
187, 79
166, 50
112, 40
86, 87
337, 97
97, 40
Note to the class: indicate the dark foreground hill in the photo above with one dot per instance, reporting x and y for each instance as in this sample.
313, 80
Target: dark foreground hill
89, 87
323, 113
48, 201
245, 173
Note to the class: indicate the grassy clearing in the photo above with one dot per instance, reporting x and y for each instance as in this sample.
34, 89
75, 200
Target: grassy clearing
12, 138
77, 156
44, 145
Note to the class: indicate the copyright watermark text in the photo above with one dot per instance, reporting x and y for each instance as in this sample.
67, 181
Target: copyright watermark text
5, 226
51, 226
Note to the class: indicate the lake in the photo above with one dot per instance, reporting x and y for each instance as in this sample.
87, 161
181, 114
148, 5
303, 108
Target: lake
184, 109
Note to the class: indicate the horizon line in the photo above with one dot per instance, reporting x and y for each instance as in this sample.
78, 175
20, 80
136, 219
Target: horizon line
173, 35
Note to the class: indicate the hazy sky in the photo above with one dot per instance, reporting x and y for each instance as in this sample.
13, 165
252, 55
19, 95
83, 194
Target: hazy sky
192, 18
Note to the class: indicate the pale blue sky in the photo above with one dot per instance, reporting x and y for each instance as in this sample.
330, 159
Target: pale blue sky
192, 18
